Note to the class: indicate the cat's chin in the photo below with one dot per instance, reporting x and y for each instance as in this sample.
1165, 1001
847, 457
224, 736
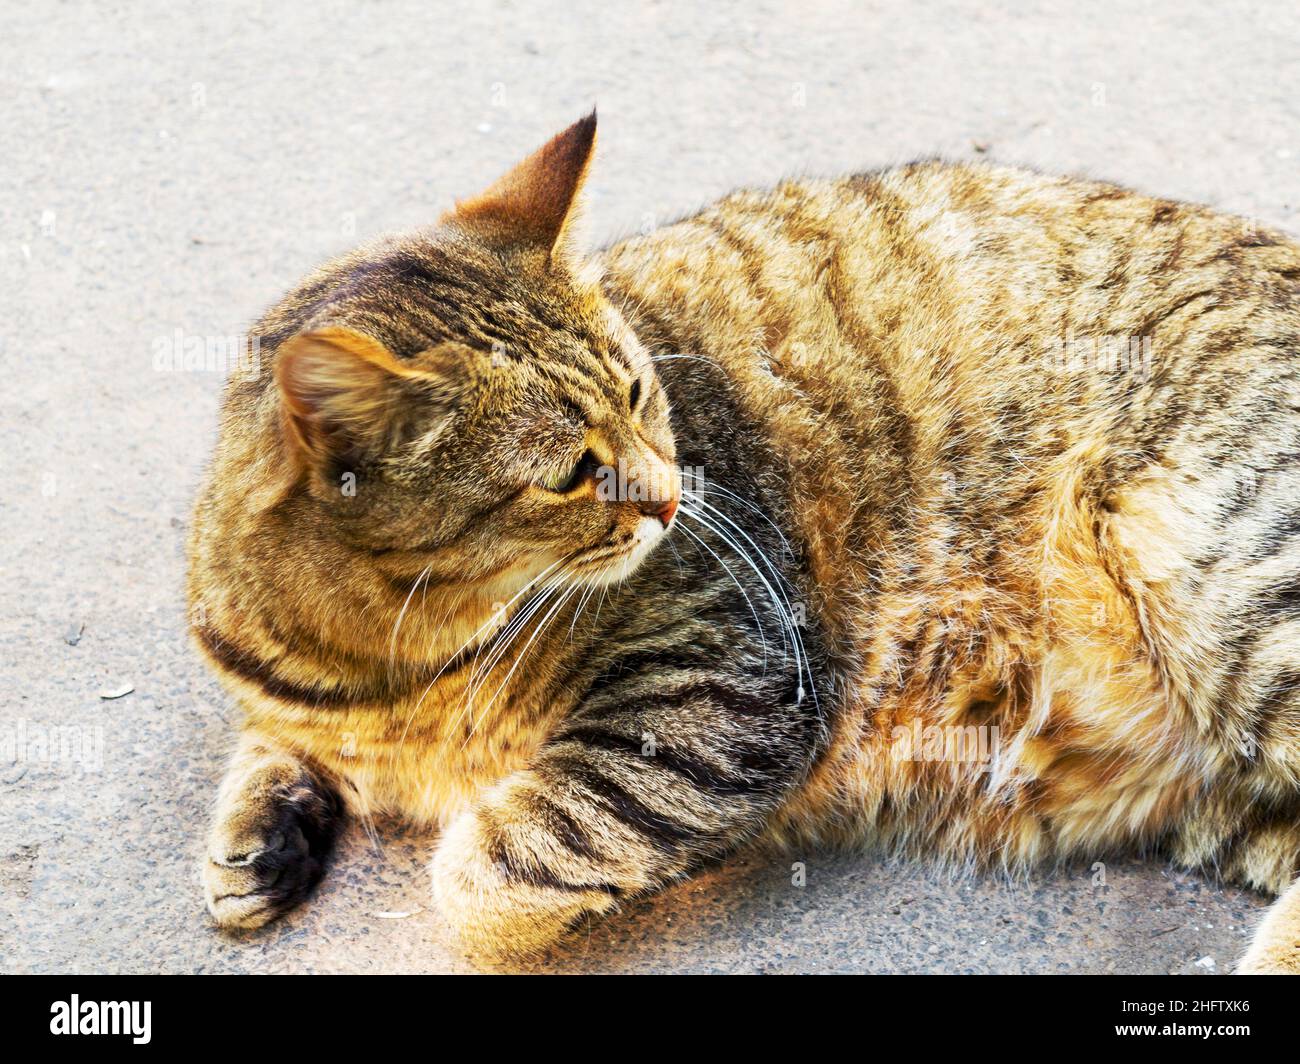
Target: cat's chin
605, 571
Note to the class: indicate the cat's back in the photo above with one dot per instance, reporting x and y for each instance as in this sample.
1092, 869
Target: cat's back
940, 314
909, 254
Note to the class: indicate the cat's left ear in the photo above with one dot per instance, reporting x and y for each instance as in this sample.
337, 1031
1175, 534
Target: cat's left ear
536, 203
344, 394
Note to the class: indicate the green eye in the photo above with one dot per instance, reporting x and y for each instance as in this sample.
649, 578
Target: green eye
566, 480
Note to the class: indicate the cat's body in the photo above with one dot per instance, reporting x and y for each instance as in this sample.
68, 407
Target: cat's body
1016, 463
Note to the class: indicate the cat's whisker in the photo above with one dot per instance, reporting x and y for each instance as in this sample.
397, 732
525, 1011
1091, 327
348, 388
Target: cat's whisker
692, 358
735, 547
454, 601
463, 647
692, 496
494, 619
506, 638
718, 514
718, 489
397, 625
762, 638
592, 582
523, 652
678, 556
556, 601
600, 605
777, 593
503, 639
501, 643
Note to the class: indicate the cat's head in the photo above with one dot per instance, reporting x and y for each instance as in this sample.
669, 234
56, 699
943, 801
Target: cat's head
465, 398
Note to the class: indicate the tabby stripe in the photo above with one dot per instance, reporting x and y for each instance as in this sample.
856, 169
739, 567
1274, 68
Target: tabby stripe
415, 270
616, 354
331, 288
1162, 317
1240, 650
655, 331
401, 585
1283, 598
662, 830
655, 658
255, 670
566, 829
536, 875
1283, 689
1277, 537
733, 700
702, 775
469, 526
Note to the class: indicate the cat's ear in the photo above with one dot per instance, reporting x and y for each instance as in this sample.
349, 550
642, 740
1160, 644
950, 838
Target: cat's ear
537, 202
345, 395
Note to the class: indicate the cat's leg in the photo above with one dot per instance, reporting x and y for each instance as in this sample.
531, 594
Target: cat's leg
275, 823
629, 795
1275, 949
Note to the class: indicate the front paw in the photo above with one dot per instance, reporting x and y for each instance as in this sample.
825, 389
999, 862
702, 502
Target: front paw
1275, 949
503, 903
1271, 958
268, 849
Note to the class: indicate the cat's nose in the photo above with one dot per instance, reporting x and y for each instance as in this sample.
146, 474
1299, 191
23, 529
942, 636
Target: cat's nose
660, 508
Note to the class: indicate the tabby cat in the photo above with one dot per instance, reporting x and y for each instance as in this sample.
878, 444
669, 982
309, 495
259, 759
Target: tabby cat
952, 510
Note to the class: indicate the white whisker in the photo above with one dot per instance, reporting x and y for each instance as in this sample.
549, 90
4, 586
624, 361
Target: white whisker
392, 646
739, 587
464, 646
718, 489
776, 593
541, 626
501, 644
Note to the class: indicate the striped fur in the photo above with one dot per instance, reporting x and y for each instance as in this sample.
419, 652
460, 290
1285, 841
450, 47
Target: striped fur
921, 508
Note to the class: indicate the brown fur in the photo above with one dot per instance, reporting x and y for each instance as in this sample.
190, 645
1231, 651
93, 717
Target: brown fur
950, 523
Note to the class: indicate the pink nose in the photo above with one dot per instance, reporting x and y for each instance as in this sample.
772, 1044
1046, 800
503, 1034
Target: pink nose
660, 509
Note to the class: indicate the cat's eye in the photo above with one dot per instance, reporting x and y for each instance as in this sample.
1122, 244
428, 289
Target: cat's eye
566, 480
634, 396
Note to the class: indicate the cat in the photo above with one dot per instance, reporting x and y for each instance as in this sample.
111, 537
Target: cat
949, 510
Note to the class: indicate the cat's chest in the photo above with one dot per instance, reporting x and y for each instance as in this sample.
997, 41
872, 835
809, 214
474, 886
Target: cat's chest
429, 756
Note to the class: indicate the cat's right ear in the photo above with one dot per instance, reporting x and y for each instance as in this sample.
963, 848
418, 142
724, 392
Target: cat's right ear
344, 396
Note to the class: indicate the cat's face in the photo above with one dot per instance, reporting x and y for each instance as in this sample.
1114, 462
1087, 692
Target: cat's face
466, 401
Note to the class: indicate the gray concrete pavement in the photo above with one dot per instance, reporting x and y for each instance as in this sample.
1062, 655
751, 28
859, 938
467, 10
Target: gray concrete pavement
174, 167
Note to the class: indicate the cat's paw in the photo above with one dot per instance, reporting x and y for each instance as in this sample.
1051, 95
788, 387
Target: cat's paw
268, 849
1271, 956
1275, 949
502, 907
1282, 965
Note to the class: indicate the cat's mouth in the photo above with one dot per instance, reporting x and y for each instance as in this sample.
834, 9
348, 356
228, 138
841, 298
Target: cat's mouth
616, 557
